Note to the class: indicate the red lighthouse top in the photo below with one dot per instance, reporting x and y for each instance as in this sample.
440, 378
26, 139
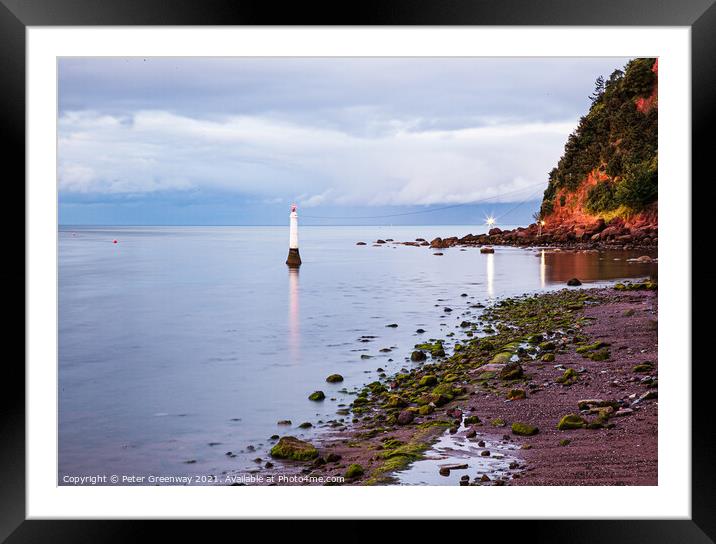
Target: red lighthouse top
293, 208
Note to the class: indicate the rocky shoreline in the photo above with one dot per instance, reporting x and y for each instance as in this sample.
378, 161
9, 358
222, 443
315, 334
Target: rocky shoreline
598, 235
552, 376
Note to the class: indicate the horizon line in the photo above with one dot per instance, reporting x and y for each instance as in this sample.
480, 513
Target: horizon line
273, 225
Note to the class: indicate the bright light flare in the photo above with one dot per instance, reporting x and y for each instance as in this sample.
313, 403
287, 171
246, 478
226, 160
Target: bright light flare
490, 221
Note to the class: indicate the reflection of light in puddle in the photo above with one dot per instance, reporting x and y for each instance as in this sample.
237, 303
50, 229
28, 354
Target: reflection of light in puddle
455, 449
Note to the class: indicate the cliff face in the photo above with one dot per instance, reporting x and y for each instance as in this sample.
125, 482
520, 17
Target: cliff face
605, 184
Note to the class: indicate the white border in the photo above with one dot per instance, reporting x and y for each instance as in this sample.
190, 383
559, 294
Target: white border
671, 498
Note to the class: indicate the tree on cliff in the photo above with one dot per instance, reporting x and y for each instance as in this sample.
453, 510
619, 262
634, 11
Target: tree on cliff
616, 142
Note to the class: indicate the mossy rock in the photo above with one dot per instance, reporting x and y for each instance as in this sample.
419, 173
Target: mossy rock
438, 352
435, 349
565, 442
498, 422
418, 356
354, 471
447, 390
511, 371
523, 429
472, 420
512, 347
547, 346
426, 409
334, 378
646, 366
535, 339
601, 355
428, 380
317, 395
547, 357
502, 358
396, 401
568, 377
592, 347
290, 447
516, 394
570, 422
449, 378
377, 388
588, 404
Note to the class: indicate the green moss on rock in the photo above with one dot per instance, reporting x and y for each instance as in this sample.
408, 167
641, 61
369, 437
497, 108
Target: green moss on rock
417, 356
317, 395
601, 355
568, 377
571, 421
646, 366
502, 357
354, 471
523, 429
426, 409
290, 447
516, 394
511, 371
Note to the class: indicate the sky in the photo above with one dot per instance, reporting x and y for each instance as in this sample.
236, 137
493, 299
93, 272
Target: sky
376, 141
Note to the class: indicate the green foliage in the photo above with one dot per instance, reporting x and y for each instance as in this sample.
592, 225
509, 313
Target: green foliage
639, 186
600, 198
615, 138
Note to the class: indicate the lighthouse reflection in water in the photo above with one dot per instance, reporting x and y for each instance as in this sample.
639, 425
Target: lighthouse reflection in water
294, 326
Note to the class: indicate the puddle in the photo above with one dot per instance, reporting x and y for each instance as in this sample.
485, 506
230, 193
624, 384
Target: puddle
456, 449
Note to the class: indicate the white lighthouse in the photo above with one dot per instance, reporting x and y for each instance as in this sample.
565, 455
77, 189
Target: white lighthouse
294, 258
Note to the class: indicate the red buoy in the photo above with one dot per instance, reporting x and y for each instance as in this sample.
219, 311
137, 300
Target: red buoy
114, 241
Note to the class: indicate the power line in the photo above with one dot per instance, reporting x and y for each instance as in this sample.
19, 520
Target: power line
430, 210
534, 193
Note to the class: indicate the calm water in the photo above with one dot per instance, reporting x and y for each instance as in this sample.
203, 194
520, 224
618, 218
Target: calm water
180, 344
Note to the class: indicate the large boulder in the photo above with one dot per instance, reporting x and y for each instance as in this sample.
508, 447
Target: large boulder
290, 447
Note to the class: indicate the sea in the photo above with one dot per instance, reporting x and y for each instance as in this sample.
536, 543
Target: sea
181, 348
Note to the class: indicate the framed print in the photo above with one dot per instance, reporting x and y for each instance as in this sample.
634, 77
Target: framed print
282, 269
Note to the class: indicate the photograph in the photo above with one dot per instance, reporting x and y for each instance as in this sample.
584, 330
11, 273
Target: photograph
357, 271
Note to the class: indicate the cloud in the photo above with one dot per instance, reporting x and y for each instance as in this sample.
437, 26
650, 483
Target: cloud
269, 158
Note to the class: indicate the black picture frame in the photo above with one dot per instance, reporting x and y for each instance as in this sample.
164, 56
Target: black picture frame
699, 15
